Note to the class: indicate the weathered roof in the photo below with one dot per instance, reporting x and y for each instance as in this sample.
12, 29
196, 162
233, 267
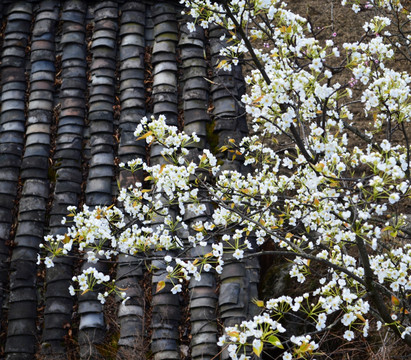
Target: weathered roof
76, 78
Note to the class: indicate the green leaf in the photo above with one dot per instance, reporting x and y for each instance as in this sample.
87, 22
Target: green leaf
394, 300
259, 303
147, 134
258, 350
274, 340
160, 286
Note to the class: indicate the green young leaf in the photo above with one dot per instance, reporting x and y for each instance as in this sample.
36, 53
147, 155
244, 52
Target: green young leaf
160, 286
274, 340
259, 349
259, 303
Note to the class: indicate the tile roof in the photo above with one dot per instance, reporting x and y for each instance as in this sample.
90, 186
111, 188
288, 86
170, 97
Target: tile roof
76, 78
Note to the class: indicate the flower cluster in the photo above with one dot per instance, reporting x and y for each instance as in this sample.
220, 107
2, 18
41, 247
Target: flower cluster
325, 199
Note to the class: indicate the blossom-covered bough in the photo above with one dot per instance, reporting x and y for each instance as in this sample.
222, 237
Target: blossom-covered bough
332, 200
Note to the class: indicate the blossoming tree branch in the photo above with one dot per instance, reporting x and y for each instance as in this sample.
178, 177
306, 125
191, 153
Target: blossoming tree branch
331, 200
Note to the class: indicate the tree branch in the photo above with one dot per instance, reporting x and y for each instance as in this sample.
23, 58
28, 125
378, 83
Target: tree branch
375, 295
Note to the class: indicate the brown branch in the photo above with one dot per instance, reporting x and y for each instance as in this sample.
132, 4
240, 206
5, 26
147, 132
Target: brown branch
248, 44
375, 295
